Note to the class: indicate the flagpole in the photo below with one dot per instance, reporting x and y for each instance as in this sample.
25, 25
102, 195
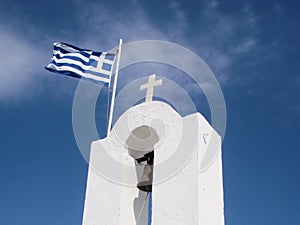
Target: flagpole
114, 87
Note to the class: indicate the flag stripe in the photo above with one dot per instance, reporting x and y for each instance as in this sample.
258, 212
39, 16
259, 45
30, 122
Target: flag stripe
64, 51
69, 47
74, 58
80, 70
73, 54
71, 71
71, 61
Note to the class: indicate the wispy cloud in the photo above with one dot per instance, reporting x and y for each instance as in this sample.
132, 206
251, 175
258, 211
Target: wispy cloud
20, 62
105, 25
277, 8
220, 43
244, 46
226, 38
213, 4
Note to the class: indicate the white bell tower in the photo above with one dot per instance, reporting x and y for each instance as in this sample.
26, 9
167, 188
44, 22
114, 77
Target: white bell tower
187, 186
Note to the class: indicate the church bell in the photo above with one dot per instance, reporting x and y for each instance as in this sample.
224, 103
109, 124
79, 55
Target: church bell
145, 183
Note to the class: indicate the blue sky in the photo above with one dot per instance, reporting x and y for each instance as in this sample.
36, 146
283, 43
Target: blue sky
252, 48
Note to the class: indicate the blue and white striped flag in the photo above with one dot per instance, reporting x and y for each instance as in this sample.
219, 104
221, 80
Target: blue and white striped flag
81, 63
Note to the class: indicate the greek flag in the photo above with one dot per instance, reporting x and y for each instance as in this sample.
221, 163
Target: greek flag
81, 63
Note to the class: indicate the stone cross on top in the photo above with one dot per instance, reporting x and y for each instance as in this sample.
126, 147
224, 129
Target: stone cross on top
150, 87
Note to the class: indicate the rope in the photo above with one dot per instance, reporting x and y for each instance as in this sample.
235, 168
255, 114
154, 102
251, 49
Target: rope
141, 210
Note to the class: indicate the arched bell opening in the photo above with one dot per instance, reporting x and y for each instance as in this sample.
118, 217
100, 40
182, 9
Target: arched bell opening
140, 145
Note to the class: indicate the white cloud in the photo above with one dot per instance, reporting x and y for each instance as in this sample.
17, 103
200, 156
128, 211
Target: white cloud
179, 23
250, 18
130, 24
244, 47
137, 26
213, 4
19, 60
277, 9
226, 38
22, 74
220, 43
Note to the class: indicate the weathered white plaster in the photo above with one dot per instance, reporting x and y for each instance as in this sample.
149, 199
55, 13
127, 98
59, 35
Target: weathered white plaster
187, 183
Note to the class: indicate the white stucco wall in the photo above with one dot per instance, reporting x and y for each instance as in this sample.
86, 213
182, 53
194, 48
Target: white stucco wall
187, 184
